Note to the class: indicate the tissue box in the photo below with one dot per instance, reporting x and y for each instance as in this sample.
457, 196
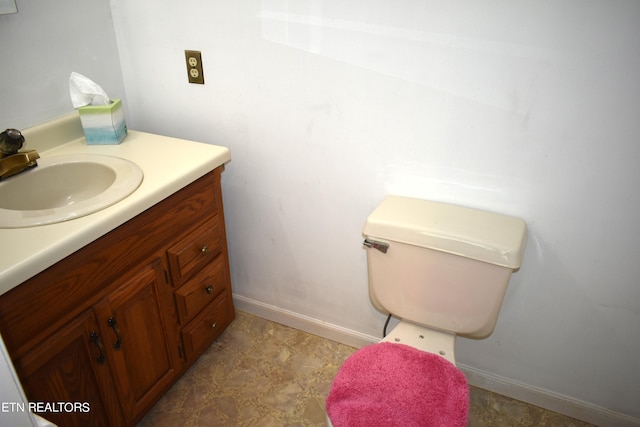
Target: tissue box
103, 124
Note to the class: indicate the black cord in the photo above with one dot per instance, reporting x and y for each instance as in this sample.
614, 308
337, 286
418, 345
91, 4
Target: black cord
384, 331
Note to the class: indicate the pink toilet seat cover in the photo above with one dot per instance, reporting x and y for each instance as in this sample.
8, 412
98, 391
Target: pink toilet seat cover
389, 384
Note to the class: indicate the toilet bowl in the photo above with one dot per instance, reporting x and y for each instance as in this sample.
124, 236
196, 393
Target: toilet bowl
443, 270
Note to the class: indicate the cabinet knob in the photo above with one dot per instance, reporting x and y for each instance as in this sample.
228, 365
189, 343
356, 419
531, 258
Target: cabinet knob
209, 289
204, 250
214, 325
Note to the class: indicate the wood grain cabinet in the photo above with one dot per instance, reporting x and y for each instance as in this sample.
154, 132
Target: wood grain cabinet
140, 347
71, 367
106, 331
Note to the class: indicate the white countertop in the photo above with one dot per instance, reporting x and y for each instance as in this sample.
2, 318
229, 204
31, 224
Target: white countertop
169, 164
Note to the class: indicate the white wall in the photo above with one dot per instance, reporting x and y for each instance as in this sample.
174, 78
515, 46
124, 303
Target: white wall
41, 45
527, 108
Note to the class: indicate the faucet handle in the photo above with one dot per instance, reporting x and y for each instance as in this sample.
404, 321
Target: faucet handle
11, 140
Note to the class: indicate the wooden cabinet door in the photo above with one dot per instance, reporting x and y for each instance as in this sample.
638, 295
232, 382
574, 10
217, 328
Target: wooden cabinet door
68, 372
141, 347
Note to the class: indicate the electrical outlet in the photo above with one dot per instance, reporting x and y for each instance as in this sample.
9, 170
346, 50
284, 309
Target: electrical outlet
194, 66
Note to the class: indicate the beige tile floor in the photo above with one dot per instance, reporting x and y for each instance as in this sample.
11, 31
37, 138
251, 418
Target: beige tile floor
260, 373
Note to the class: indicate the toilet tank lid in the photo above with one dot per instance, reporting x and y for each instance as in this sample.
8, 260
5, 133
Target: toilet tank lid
472, 233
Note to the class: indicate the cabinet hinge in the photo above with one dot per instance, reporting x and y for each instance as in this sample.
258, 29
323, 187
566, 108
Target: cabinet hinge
166, 276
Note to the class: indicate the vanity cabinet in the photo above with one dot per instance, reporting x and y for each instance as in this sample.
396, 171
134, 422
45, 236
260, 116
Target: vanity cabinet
111, 327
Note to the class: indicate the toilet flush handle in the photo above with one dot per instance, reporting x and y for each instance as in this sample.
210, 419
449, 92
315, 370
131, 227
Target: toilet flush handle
381, 246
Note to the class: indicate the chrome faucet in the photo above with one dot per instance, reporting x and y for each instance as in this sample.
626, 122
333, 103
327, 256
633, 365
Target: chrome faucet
13, 161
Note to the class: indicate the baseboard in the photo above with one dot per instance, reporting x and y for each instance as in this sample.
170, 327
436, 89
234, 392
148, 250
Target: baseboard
303, 323
486, 380
546, 399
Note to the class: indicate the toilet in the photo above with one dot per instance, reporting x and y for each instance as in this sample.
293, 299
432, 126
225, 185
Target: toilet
443, 270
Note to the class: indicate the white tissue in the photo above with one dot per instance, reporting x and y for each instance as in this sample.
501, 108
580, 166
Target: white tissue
84, 91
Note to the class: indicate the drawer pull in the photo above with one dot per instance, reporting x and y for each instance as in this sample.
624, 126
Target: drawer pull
96, 340
204, 250
209, 289
114, 325
214, 325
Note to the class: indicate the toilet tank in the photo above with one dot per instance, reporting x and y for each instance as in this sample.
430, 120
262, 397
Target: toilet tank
446, 267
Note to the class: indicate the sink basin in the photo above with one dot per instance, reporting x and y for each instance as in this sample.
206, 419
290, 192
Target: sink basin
65, 187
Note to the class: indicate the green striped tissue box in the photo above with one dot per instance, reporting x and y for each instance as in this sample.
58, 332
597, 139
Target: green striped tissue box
103, 124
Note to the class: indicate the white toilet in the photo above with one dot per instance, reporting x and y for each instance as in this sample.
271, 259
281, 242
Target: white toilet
443, 270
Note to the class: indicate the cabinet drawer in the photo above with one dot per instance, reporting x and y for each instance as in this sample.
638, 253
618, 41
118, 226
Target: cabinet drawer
201, 290
196, 250
208, 325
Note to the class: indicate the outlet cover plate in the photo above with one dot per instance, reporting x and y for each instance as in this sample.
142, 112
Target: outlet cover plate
193, 59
